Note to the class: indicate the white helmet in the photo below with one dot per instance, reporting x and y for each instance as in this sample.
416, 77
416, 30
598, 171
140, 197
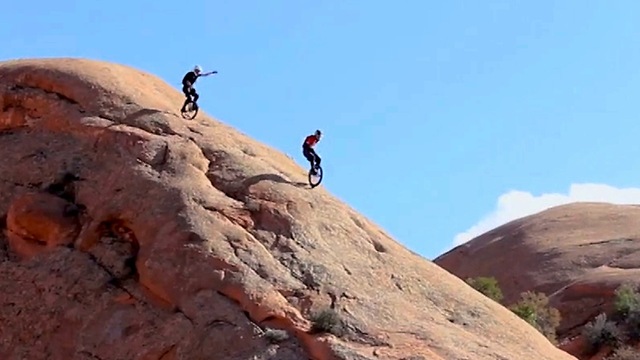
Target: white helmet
197, 69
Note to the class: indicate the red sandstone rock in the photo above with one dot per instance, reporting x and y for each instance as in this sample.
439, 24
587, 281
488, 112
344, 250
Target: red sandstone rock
193, 240
39, 221
578, 254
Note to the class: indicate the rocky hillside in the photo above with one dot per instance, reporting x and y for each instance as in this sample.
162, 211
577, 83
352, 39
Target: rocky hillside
577, 254
131, 233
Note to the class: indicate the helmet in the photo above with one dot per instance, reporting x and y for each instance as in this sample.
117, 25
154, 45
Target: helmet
318, 133
197, 69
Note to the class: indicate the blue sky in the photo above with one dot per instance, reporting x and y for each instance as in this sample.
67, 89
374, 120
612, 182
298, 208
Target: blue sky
431, 110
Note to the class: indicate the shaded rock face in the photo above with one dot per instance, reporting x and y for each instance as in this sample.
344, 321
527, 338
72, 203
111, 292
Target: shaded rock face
578, 254
130, 233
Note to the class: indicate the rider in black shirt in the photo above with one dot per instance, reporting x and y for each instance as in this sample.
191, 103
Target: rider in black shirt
187, 85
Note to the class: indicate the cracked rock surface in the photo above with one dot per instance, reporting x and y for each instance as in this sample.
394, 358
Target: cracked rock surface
578, 254
130, 233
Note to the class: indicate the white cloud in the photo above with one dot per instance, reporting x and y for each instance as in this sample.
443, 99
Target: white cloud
516, 204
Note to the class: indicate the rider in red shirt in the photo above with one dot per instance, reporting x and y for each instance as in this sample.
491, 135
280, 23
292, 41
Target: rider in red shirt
308, 152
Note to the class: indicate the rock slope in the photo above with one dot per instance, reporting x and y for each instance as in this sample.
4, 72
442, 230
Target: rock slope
130, 233
576, 253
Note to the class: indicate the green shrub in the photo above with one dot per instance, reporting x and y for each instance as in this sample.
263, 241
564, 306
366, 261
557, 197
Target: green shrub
329, 321
627, 310
627, 300
276, 336
632, 325
488, 286
625, 353
526, 311
534, 308
601, 331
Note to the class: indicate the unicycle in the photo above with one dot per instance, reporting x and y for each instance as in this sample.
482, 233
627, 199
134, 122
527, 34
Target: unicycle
315, 180
191, 110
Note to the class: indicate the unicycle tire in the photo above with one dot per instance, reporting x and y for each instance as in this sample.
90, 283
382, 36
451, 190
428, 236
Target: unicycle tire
315, 180
191, 110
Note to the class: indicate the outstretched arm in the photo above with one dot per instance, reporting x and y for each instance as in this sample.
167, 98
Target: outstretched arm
209, 73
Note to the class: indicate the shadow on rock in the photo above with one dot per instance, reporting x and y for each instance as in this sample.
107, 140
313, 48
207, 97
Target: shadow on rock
271, 177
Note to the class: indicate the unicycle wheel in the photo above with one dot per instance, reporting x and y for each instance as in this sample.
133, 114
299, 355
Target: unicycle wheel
191, 110
315, 179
